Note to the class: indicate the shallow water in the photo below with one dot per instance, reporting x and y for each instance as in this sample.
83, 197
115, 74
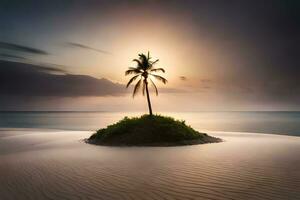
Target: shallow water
58, 165
263, 122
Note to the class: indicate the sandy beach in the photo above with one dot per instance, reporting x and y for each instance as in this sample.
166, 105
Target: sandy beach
53, 164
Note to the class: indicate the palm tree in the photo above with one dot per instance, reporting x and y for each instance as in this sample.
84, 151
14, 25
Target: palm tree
144, 71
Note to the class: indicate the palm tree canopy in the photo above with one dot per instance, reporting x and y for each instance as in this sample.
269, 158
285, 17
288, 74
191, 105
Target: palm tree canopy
144, 70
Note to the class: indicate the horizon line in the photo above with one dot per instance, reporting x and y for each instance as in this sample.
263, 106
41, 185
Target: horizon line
91, 111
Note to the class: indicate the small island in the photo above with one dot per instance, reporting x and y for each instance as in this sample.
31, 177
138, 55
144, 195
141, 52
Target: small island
149, 130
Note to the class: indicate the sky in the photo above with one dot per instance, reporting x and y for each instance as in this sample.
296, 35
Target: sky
218, 55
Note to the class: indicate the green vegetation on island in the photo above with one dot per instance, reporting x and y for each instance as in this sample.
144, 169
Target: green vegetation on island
149, 130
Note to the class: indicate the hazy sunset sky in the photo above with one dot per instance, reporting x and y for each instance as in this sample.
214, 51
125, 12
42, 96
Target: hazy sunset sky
218, 55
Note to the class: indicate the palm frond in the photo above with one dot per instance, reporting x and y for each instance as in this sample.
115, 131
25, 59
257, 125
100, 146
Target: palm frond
160, 78
139, 63
143, 57
131, 80
152, 63
132, 70
149, 55
144, 61
136, 88
156, 91
157, 70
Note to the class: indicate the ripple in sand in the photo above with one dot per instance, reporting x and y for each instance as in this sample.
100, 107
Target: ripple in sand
257, 169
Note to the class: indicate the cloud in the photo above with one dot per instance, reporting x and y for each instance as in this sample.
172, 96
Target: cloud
183, 78
46, 69
77, 45
21, 48
22, 79
10, 56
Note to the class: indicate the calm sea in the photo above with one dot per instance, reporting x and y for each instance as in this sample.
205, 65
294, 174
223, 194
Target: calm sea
286, 123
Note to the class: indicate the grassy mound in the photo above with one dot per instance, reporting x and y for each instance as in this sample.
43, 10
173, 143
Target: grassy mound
149, 131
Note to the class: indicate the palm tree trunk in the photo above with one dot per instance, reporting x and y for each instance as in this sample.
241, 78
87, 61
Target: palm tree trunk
148, 98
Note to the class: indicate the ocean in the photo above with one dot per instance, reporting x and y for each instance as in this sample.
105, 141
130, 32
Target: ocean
285, 123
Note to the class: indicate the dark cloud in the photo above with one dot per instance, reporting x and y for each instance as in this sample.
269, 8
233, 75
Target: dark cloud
183, 78
39, 66
10, 56
21, 48
82, 46
21, 79
48, 69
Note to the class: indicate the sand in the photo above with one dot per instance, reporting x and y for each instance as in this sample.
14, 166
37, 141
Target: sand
50, 164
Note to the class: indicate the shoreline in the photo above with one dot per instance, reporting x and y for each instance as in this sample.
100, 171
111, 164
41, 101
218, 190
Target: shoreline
92, 131
163, 144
